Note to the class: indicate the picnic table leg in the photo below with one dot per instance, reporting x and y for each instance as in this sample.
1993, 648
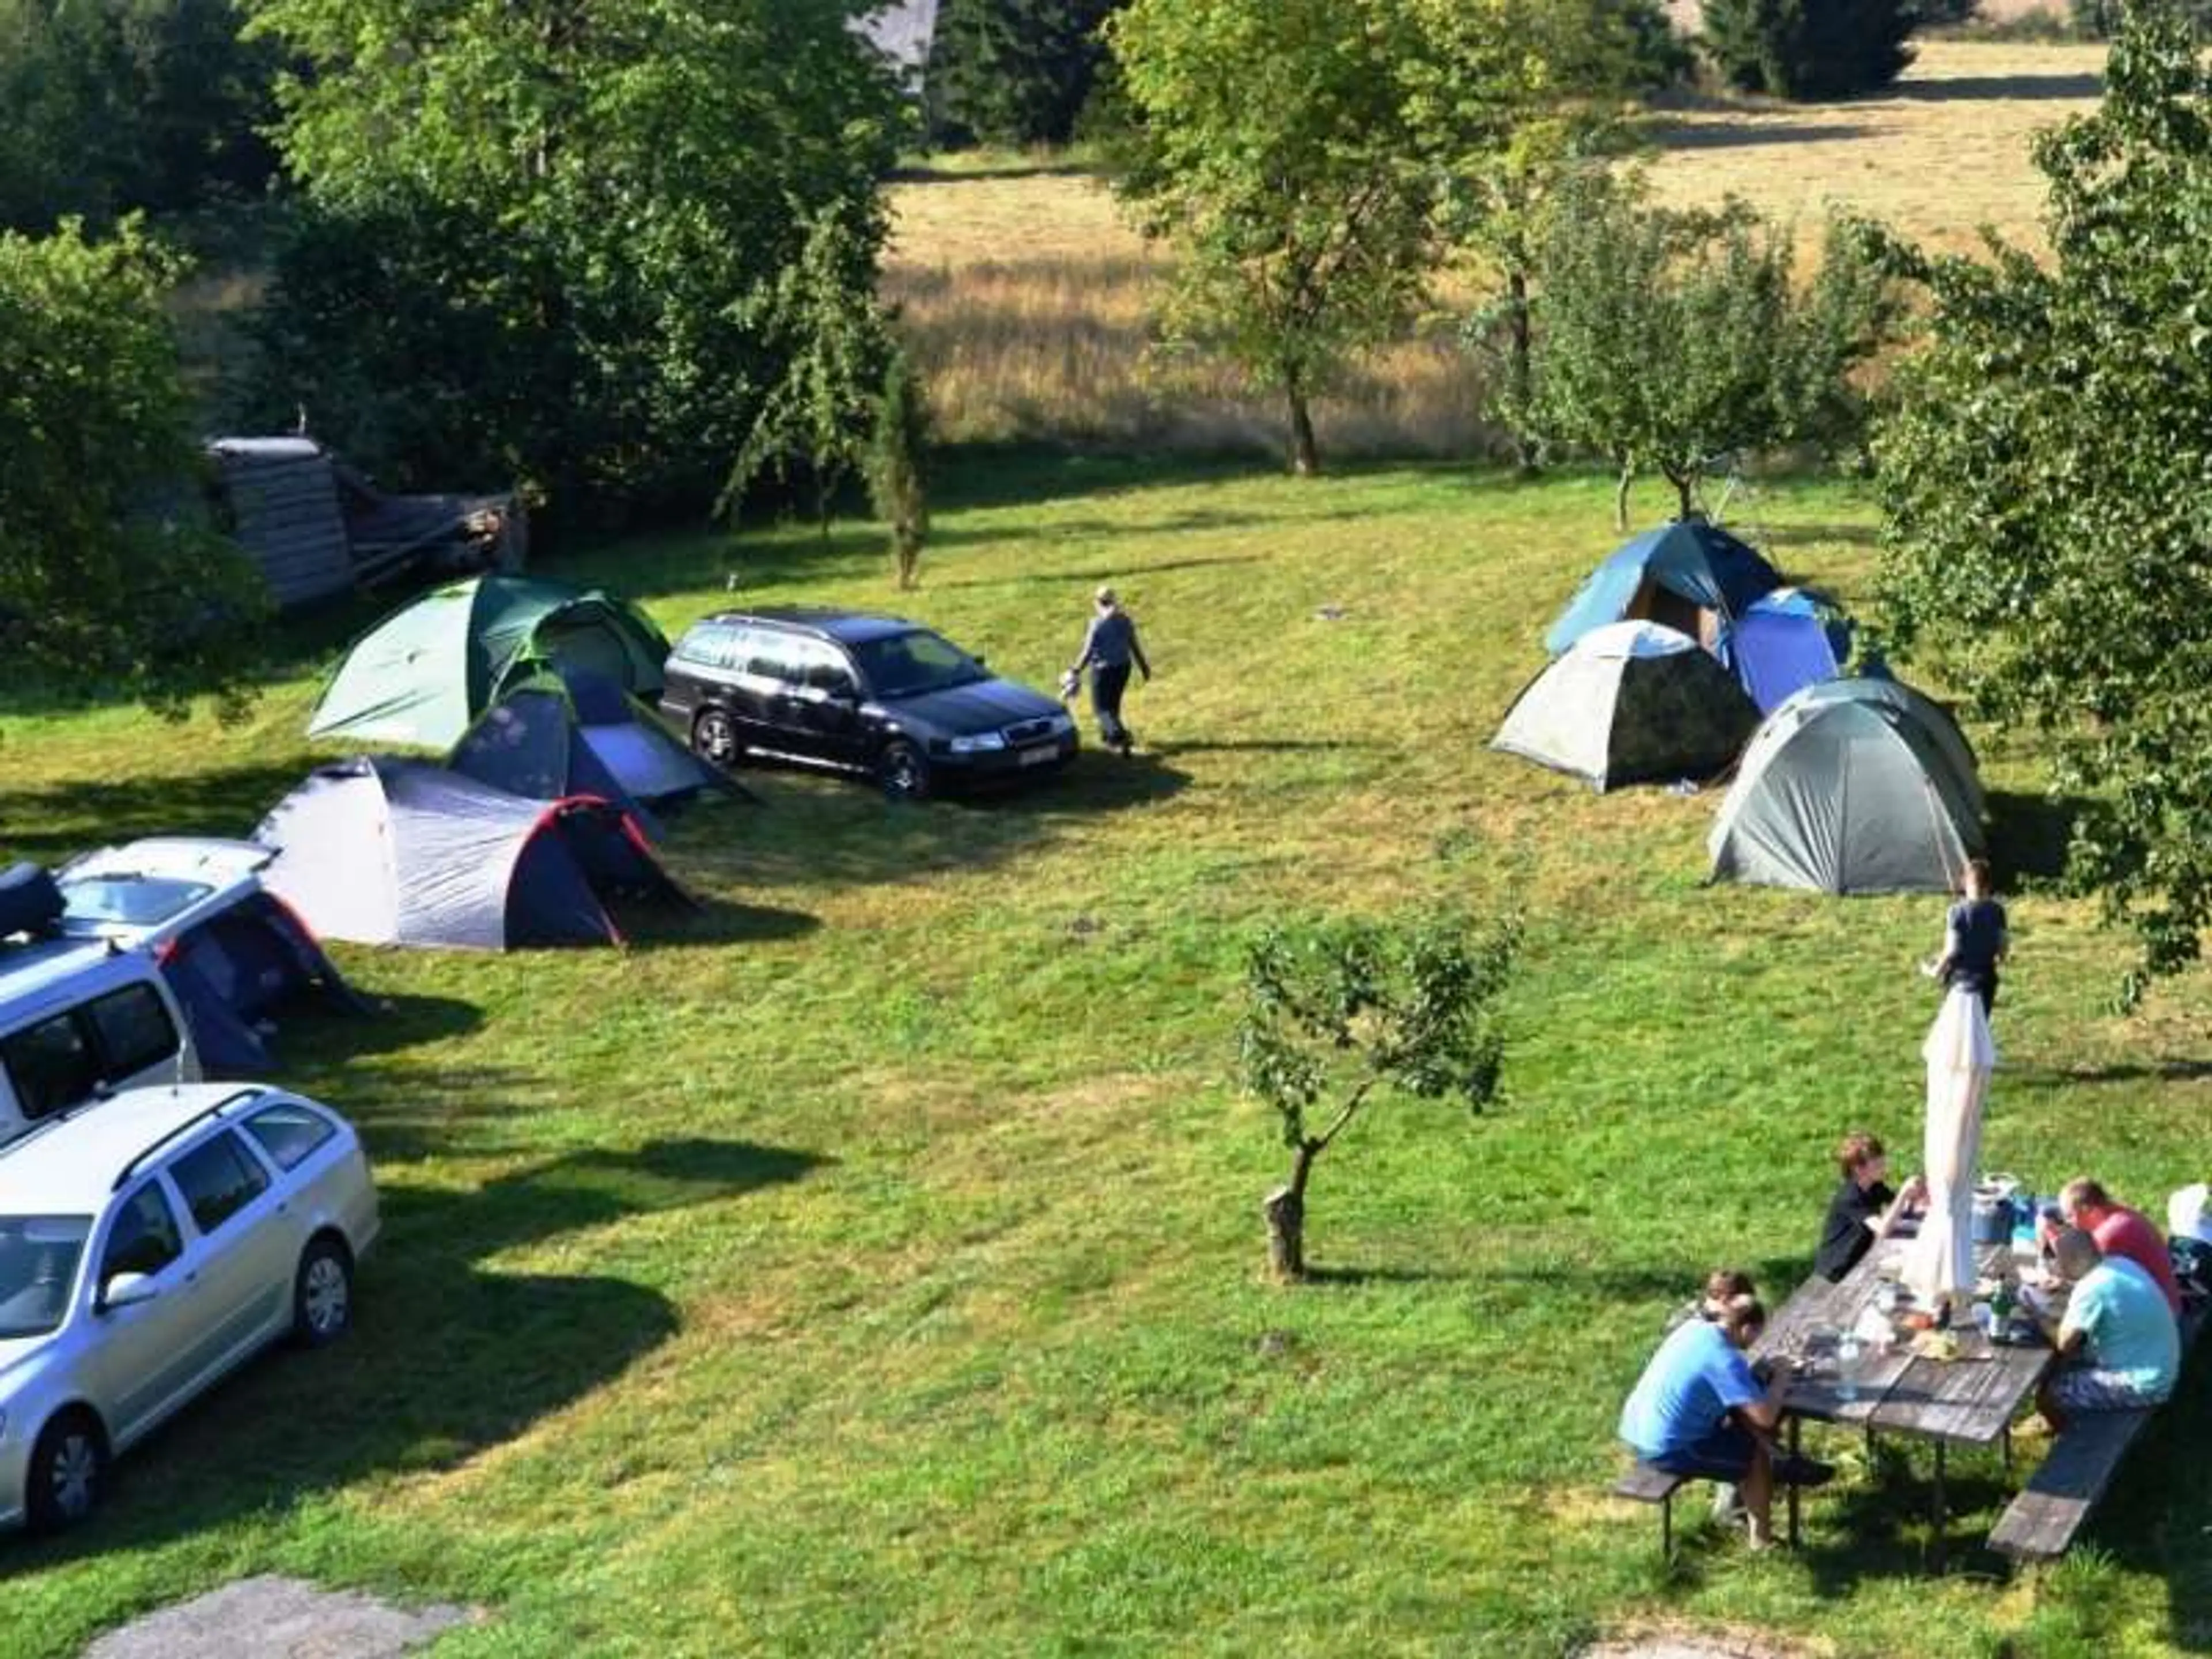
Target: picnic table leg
1942, 1511
1796, 1424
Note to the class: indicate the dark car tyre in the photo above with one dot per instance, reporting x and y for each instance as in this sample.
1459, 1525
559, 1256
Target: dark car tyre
322, 1294
903, 772
714, 738
68, 1474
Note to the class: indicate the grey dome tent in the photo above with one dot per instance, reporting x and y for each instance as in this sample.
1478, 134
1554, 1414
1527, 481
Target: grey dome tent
1853, 787
1631, 702
392, 852
571, 732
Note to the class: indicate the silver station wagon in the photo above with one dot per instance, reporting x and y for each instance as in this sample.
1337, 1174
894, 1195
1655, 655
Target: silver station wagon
149, 1245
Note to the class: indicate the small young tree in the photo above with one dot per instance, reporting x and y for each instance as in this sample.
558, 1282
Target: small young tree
1671, 339
1337, 1012
893, 463
836, 343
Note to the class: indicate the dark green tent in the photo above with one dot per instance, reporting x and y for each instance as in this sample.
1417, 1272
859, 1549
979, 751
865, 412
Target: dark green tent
425, 673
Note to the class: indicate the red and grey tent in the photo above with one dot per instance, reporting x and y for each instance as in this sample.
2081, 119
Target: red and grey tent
392, 852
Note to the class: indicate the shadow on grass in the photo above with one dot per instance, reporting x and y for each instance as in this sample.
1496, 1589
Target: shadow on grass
1117, 573
448, 1360
2028, 837
1994, 89
1747, 135
2129, 1071
718, 921
1881, 1525
387, 1023
52, 822
833, 833
1800, 534
2152, 1518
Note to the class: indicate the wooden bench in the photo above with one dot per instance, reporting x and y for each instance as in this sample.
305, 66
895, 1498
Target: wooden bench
2040, 1524
1645, 1484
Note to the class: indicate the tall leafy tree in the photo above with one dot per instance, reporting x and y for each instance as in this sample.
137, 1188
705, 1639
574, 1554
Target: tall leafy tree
2045, 484
109, 577
544, 236
1014, 71
118, 105
1672, 340
1294, 154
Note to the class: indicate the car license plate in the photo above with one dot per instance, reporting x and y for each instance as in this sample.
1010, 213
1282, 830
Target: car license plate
1040, 755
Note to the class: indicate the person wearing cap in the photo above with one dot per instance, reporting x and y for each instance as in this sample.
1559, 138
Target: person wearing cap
1109, 648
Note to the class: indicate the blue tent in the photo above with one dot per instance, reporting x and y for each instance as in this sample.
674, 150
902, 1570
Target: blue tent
1786, 641
1678, 576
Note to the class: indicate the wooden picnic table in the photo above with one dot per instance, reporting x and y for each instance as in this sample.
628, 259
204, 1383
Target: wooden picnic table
1968, 1401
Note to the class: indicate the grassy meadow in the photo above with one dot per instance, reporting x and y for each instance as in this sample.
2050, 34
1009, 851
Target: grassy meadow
872, 1264
1029, 299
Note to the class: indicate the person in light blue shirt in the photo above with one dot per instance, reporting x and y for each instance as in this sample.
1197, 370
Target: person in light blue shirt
2117, 1332
1698, 1411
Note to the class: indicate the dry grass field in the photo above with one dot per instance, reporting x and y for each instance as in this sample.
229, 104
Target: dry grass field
1029, 299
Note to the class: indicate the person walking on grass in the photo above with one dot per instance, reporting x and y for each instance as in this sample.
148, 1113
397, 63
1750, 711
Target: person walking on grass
1109, 648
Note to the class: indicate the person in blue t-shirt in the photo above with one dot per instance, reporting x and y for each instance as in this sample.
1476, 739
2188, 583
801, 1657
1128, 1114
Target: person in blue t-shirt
2117, 1337
1698, 1411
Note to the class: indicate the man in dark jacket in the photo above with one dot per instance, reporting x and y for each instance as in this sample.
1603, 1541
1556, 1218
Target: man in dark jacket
1110, 647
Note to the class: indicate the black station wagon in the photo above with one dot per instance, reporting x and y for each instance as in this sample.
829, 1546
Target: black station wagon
871, 695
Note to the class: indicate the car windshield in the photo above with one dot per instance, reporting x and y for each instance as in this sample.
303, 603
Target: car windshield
909, 665
38, 1264
134, 900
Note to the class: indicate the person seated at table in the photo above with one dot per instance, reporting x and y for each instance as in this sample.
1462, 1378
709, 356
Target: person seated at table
2119, 1348
1698, 1411
2120, 1231
1863, 1212
1722, 1285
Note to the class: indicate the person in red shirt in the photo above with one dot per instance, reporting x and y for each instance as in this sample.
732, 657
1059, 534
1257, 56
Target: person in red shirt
2120, 1231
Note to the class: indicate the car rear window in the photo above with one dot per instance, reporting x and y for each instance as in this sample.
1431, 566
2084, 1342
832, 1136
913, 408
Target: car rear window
134, 1029
51, 1064
288, 1132
218, 1179
134, 900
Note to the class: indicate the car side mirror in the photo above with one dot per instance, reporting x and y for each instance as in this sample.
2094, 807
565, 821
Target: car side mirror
128, 1291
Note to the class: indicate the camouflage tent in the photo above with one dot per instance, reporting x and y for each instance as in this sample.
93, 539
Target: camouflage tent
1631, 702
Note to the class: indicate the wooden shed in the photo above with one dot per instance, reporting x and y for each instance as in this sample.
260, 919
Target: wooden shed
282, 497
317, 528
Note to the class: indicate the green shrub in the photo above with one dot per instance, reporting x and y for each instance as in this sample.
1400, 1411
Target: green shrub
1808, 50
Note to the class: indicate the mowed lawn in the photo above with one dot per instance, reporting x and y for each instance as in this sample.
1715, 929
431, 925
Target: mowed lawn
872, 1264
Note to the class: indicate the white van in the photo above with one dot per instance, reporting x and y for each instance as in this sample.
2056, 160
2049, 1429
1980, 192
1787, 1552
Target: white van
80, 1020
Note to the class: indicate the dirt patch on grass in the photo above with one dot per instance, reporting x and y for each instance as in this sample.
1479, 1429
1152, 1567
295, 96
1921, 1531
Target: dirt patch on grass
271, 1618
1664, 1643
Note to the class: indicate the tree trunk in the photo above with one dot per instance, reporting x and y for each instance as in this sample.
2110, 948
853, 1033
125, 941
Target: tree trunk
1520, 368
1305, 455
1285, 1210
1686, 487
1620, 493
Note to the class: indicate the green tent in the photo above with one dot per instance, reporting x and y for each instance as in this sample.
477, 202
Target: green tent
1857, 786
425, 673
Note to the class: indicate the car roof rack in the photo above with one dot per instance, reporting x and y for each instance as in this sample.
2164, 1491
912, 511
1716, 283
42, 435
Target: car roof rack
253, 1092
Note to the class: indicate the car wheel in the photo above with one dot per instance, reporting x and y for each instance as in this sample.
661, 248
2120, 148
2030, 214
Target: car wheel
68, 1472
714, 738
322, 1294
903, 772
